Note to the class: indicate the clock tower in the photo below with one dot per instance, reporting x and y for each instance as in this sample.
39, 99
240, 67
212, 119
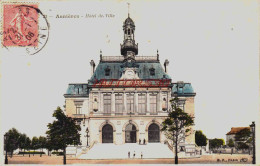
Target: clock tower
129, 49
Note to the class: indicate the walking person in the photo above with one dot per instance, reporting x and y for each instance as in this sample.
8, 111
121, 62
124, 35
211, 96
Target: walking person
128, 154
141, 155
134, 155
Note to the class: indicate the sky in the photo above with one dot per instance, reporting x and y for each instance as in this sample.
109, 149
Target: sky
211, 44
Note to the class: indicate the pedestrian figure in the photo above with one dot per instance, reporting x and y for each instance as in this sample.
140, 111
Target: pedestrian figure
134, 155
140, 141
141, 155
128, 154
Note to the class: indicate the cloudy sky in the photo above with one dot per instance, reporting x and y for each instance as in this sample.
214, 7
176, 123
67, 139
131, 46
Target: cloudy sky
211, 44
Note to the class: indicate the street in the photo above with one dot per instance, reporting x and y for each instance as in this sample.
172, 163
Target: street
206, 159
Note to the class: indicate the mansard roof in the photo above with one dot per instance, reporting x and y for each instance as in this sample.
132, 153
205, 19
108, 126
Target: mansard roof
77, 90
182, 89
115, 67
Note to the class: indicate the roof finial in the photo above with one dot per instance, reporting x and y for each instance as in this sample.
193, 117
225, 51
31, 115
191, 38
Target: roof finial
128, 9
100, 54
157, 54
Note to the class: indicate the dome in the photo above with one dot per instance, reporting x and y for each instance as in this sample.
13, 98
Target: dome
129, 21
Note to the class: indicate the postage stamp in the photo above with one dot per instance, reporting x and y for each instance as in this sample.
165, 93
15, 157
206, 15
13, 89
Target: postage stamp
20, 24
24, 27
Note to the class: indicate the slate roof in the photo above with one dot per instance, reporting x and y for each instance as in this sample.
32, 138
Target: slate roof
115, 72
183, 89
77, 90
116, 69
235, 130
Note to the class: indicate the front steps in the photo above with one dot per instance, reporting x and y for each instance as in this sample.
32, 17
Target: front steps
112, 151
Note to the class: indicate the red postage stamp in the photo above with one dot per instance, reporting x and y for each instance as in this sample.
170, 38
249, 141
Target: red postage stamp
20, 25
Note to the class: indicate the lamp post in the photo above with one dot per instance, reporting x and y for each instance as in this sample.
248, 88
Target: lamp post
6, 147
252, 126
87, 131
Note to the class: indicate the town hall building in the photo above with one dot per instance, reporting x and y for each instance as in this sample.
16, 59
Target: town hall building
127, 98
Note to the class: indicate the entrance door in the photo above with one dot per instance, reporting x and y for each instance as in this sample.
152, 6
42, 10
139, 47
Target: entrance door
153, 133
107, 134
130, 133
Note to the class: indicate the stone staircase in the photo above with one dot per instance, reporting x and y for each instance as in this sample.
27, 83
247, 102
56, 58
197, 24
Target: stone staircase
112, 151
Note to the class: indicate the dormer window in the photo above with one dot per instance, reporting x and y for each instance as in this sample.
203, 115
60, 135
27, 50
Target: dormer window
107, 71
152, 71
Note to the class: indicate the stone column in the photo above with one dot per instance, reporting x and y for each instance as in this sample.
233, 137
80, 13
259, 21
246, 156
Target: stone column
147, 103
99, 101
113, 103
124, 101
136, 103
159, 101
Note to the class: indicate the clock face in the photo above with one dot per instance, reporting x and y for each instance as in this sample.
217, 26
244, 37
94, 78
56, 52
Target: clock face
130, 74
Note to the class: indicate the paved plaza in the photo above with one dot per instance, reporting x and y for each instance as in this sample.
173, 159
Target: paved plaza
206, 159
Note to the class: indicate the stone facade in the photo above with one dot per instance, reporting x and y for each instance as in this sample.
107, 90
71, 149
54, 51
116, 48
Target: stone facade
127, 98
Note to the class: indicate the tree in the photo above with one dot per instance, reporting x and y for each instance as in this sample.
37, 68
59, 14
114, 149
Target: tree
176, 125
63, 132
49, 146
28, 144
216, 143
42, 143
35, 144
200, 139
231, 143
22, 142
11, 143
243, 138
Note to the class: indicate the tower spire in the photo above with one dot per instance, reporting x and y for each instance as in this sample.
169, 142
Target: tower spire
129, 49
128, 9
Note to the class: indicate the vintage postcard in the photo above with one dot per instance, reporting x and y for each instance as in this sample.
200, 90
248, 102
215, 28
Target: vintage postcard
129, 82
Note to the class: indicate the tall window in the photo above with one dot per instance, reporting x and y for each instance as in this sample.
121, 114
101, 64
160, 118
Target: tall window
107, 71
152, 71
153, 103
78, 109
78, 104
141, 103
119, 103
182, 105
130, 103
107, 103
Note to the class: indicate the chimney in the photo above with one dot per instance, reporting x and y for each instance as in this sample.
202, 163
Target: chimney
166, 64
92, 64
